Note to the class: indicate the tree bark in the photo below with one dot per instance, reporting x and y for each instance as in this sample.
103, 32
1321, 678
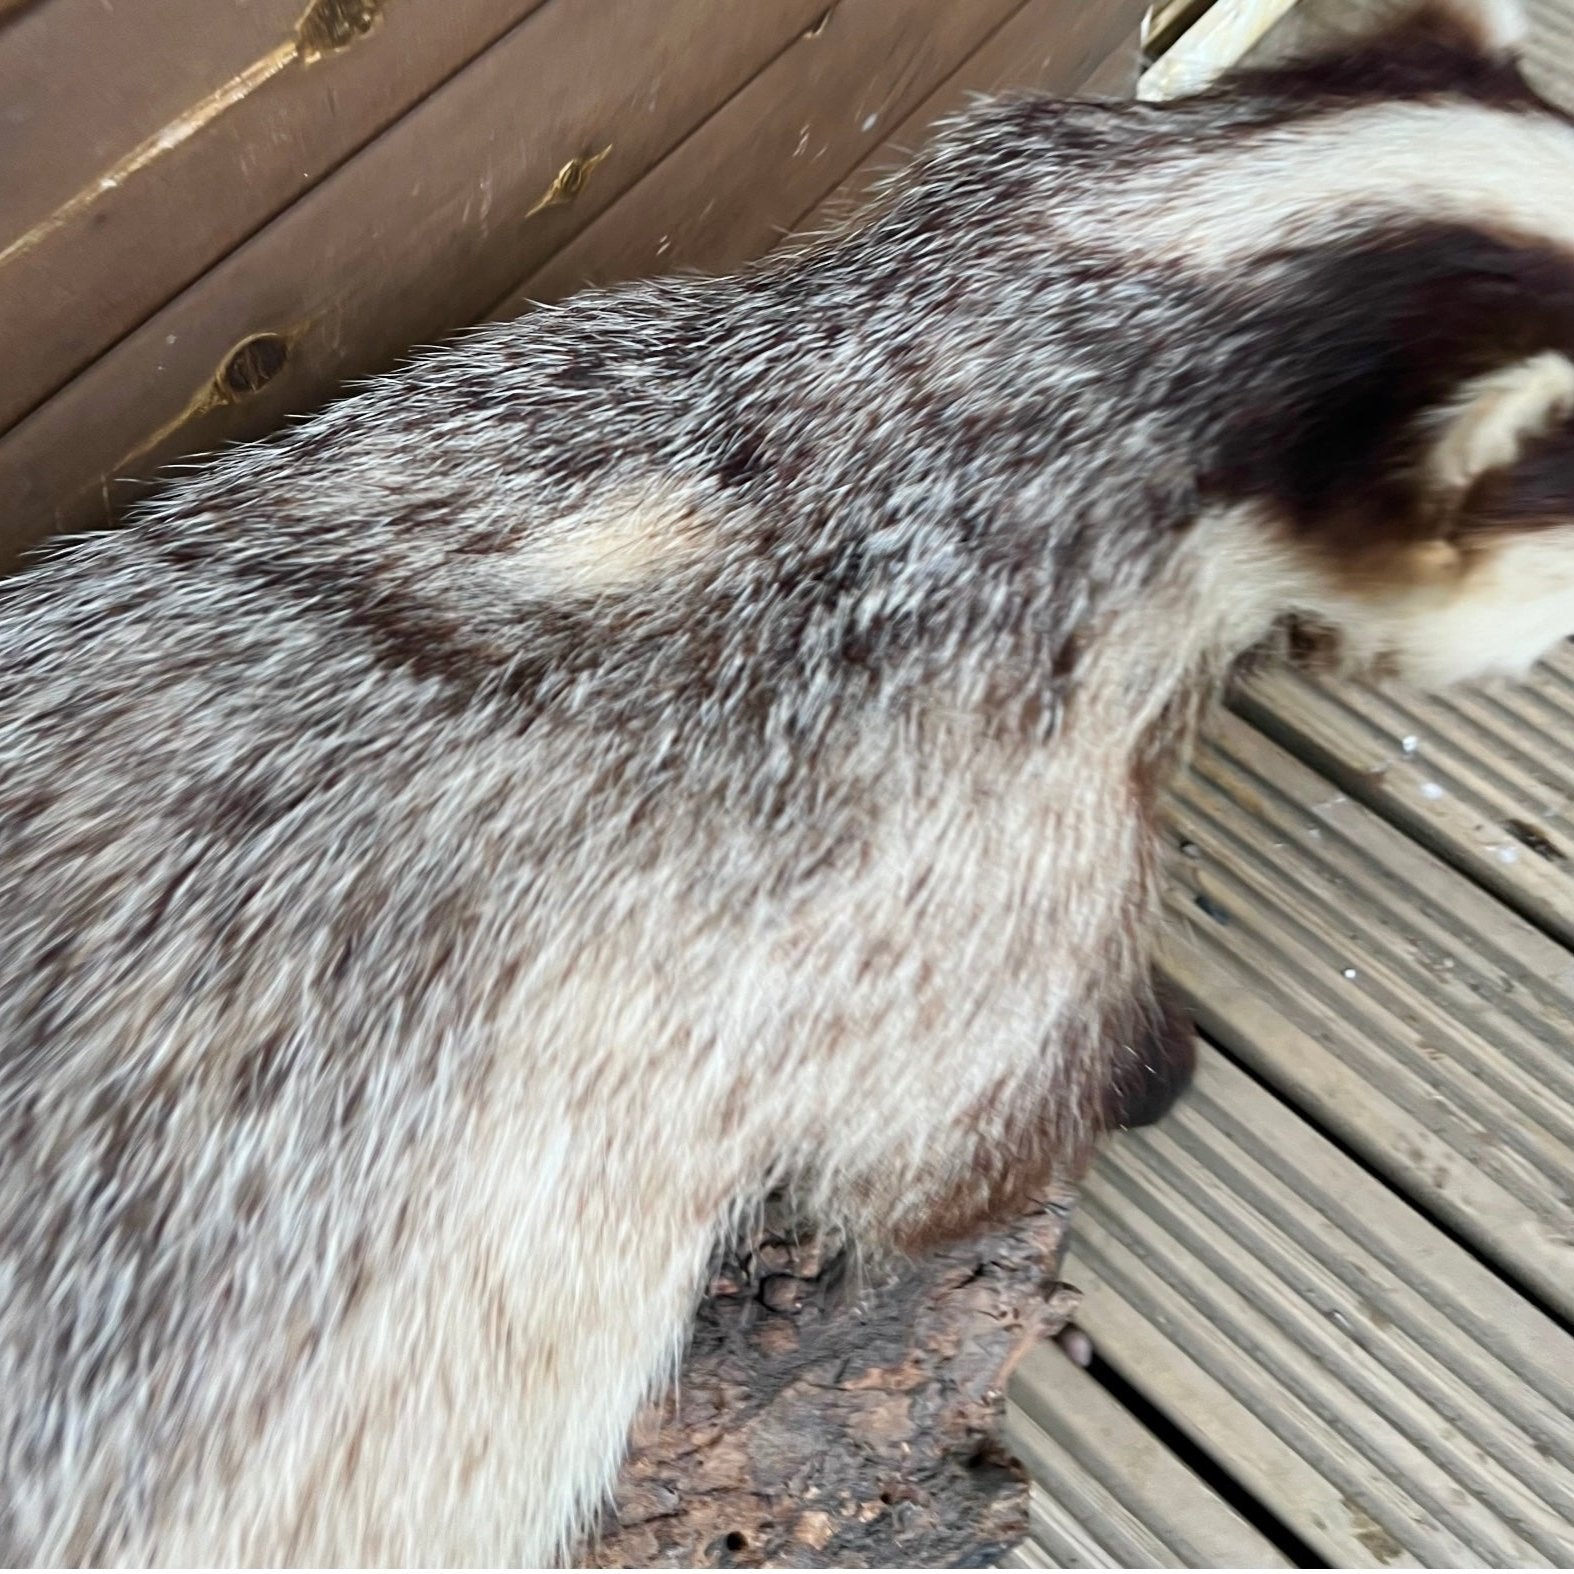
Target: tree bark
816, 1426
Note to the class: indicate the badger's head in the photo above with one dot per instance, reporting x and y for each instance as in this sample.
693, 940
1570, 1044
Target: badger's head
1396, 396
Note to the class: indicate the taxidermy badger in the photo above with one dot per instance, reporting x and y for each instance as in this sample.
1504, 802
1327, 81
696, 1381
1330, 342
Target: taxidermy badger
457, 855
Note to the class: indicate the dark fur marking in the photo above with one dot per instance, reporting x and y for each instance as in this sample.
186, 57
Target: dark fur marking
744, 460
1312, 646
1151, 1072
261, 1077
1420, 68
1149, 1051
584, 368
1428, 52
1011, 1175
1368, 339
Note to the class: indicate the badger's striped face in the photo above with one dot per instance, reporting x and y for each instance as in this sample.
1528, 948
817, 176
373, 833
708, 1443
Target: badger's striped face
1399, 219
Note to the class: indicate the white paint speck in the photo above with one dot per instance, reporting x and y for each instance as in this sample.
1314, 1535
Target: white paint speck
870, 122
1410, 743
1508, 853
1077, 1346
1349, 972
1431, 790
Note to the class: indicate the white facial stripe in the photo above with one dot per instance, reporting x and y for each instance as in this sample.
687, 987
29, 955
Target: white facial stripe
1315, 179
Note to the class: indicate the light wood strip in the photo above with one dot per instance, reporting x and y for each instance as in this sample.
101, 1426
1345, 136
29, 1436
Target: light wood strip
1408, 1012
1481, 778
1391, 1400
1074, 1520
1107, 1493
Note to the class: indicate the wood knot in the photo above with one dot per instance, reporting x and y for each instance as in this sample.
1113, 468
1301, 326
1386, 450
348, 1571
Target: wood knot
252, 365
569, 182
335, 24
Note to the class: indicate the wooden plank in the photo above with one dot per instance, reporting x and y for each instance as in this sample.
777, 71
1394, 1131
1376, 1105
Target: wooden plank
1074, 1521
1224, 33
814, 113
84, 82
1392, 1401
1116, 76
123, 182
1409, 1012
1106, 1492
410, 239
1053, 46
1484, 779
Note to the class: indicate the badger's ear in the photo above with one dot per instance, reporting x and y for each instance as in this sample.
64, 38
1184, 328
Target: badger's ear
1489, 589
1499, 463
1495, 422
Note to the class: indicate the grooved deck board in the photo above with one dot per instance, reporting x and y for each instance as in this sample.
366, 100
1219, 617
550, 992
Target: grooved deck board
1106, 1492
1484, 776
1404, 1009
1366, 1378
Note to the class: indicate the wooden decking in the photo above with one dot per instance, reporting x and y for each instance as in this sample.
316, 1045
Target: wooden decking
1335, 1284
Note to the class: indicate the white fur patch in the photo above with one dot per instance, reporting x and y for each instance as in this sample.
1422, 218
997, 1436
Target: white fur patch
618, 541
1416, 162
1487, 426
1505, 615
1495, 616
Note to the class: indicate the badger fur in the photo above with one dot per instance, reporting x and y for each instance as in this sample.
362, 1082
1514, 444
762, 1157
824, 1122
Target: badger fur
457, 855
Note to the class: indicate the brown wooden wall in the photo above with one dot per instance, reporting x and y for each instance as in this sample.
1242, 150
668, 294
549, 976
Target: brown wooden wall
214, 212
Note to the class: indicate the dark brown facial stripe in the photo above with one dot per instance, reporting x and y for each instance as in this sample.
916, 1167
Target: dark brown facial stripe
1352, 344
1429, 52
